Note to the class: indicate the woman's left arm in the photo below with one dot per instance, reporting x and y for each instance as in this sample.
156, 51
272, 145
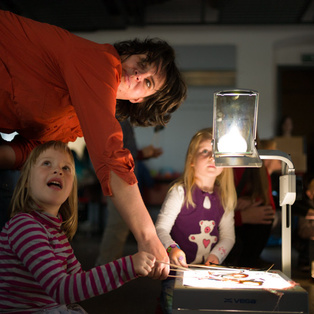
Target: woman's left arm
128, 201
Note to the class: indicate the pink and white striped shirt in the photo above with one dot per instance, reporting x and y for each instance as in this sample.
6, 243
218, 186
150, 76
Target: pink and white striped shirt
38, 269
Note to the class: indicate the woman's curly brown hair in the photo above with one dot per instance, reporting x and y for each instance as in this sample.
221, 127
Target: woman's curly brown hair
157, 108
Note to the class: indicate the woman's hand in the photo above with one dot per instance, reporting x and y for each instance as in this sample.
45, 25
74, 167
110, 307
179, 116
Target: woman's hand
177, 257
212, 259
153, 245
258, 214
243, 202
255, 212
151, 152
143, 263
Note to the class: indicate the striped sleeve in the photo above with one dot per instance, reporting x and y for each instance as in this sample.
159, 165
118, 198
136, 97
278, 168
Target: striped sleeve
55, 267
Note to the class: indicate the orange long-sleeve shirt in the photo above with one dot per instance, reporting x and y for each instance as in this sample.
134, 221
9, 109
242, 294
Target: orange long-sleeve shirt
55, 85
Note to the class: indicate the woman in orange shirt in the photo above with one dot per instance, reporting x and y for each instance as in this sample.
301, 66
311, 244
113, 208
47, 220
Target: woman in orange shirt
58, 86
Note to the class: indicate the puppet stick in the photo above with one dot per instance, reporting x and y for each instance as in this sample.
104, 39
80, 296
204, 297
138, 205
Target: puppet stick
210, 267
179, 270
270, 267
173, 265
174, 276
192, 265
214, 266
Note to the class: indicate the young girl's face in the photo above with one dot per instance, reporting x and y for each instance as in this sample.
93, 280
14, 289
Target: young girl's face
204, 163
51, 179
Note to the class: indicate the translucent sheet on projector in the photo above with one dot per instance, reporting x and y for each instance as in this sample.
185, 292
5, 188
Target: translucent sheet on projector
235, 278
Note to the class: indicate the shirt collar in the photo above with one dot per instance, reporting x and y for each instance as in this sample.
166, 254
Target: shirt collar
51, 220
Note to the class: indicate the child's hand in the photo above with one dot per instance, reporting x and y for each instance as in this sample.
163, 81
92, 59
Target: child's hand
177, 257
212, 259
143, 263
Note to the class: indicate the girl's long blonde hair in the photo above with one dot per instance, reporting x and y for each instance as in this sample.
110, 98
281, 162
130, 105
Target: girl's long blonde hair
224, 181
22, 201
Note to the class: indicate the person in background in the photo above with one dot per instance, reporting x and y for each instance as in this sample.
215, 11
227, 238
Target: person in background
304, 230
55, 85
255, 211
116, 230
39, 272
196, 223
272, 165
285, 126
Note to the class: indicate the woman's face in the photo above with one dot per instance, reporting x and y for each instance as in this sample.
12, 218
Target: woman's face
139, 79
51, 180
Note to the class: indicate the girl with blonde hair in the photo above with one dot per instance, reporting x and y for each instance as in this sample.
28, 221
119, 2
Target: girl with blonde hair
39, 272
196, 222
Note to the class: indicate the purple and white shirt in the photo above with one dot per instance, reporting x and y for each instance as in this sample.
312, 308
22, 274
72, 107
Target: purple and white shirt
199, 231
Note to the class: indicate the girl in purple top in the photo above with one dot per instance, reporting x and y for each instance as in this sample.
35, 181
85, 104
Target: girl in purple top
196, 222
38, 270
